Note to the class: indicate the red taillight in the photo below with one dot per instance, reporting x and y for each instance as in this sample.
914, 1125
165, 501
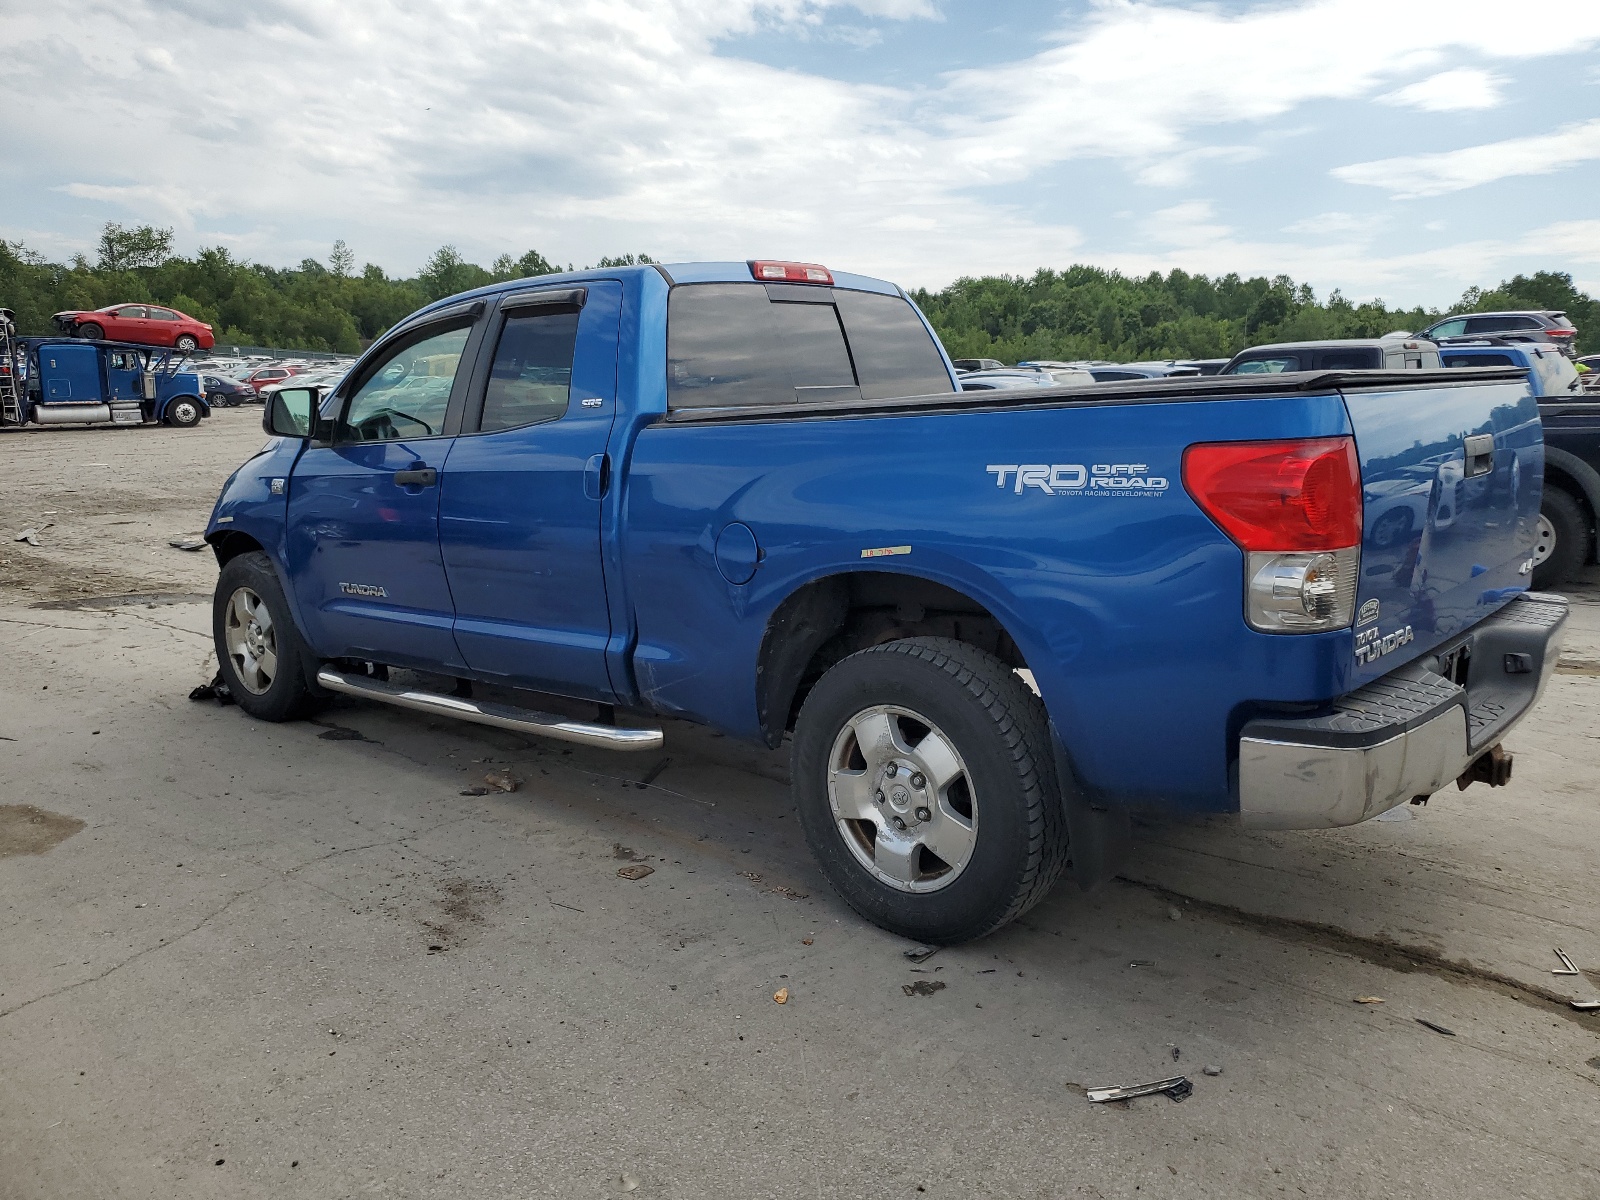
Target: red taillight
1562, 333
1289, 495
769, 271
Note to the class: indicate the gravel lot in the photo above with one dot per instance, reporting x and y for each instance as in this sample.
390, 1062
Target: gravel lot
252, 960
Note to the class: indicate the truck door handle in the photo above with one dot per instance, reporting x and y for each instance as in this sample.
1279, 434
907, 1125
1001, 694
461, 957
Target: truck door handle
1480, 455
597, 476
417, 477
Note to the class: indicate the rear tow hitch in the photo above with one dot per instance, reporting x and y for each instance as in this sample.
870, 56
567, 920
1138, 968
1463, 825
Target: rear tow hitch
1492, 767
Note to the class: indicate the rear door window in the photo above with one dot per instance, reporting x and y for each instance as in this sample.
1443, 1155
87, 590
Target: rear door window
1348, 360
1477, 360
1454, 328
895, 355
530, 380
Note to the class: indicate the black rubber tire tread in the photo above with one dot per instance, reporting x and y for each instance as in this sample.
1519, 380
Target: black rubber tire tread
83, 331
1571, 522
289, 696
1017, 720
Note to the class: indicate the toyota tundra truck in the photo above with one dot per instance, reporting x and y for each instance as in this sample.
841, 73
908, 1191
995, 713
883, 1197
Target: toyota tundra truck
992, 625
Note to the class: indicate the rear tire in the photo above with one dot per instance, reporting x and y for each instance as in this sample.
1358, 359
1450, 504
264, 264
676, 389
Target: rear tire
261, 653
1563, 545
91, 331
972, 780
186, 342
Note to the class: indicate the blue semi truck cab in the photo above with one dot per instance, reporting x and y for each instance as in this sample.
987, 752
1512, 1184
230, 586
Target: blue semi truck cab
75, 381
991, 625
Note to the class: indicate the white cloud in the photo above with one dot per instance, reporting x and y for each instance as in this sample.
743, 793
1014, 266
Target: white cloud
584, 129
1333, 223
1451, 91
1418, 175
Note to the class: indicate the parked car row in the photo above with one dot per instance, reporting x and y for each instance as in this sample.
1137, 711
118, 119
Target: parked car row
251, 382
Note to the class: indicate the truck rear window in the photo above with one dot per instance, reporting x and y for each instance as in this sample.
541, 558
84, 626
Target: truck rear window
740, 345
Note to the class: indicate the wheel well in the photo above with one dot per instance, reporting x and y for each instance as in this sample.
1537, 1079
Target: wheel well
229, 544
832, 618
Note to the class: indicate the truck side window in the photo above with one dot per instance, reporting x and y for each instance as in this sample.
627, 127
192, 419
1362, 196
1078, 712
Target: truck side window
1349, 360
1268, 366
1478, 360
531, 377
894, 353
408, 393
1452, 328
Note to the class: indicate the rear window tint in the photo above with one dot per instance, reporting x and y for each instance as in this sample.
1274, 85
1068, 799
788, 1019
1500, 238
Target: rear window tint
894, 353
1478, 360
1267, 366
1349, 360
738, 345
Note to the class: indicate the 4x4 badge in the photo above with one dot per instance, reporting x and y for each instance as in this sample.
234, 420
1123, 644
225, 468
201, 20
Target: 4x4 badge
1368, 613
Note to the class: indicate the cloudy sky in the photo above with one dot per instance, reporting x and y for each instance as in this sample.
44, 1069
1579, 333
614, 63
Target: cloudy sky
1402, 148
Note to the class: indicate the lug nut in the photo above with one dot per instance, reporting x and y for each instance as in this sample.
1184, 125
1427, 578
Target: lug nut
878, 797
899, 823
924, 815
919, 780
894, 769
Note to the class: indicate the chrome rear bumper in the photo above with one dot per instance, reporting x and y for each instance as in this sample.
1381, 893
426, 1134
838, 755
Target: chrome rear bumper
1405, 735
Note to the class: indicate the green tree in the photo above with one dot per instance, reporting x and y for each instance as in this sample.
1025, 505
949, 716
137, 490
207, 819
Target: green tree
124, 249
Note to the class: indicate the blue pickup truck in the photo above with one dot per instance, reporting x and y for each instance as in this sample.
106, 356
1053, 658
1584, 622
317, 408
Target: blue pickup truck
994, 624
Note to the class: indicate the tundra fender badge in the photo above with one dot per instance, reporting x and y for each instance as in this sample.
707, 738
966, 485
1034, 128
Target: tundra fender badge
369, 590
1368, 612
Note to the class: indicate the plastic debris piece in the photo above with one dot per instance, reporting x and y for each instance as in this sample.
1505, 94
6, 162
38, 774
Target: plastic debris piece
781, 996
1173, 914
502, 780
1436, 1027
1571, 968
807, 941
31, 534
923, 987
188, 543
629, 1183
1369, 1000
215, 690
1586, 1005
1178, 1087
918, 954
1211, 1069
635, 871
478, 790
1143, 962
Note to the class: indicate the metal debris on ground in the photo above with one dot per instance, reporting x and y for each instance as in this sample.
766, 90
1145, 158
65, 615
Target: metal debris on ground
635, 871
1143, 962
750, 875
1211, 1069
1436, 1027
215, 690
188, 543
502, 780
923, 987
1570, 967
1178, 1087
781, 996
1175, 1051
31, 534
1369, 1000
1585, 1005
919, 954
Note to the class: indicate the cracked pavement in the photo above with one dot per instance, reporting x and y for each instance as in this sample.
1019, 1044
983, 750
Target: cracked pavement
273, 963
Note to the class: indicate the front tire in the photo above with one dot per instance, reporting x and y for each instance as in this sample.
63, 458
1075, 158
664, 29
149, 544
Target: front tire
924, 776
1562, 546
183, 413
91, 331
258, 647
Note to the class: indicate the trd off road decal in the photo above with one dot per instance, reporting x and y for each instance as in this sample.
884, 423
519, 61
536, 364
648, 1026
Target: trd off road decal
1078, 479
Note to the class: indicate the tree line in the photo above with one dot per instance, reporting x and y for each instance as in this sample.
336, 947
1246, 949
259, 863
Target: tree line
1083, 312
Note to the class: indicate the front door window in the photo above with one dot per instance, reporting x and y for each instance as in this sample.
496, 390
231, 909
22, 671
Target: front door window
408, 395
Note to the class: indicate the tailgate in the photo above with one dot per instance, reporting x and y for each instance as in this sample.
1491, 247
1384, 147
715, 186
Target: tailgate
1451, 477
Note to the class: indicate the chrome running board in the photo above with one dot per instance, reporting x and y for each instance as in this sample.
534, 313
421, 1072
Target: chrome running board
501, 716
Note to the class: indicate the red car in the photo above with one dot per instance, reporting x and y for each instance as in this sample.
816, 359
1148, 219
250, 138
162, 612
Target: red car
145, 324
259, 379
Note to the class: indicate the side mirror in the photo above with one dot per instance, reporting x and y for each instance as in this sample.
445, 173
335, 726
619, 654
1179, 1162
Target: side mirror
289, 412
